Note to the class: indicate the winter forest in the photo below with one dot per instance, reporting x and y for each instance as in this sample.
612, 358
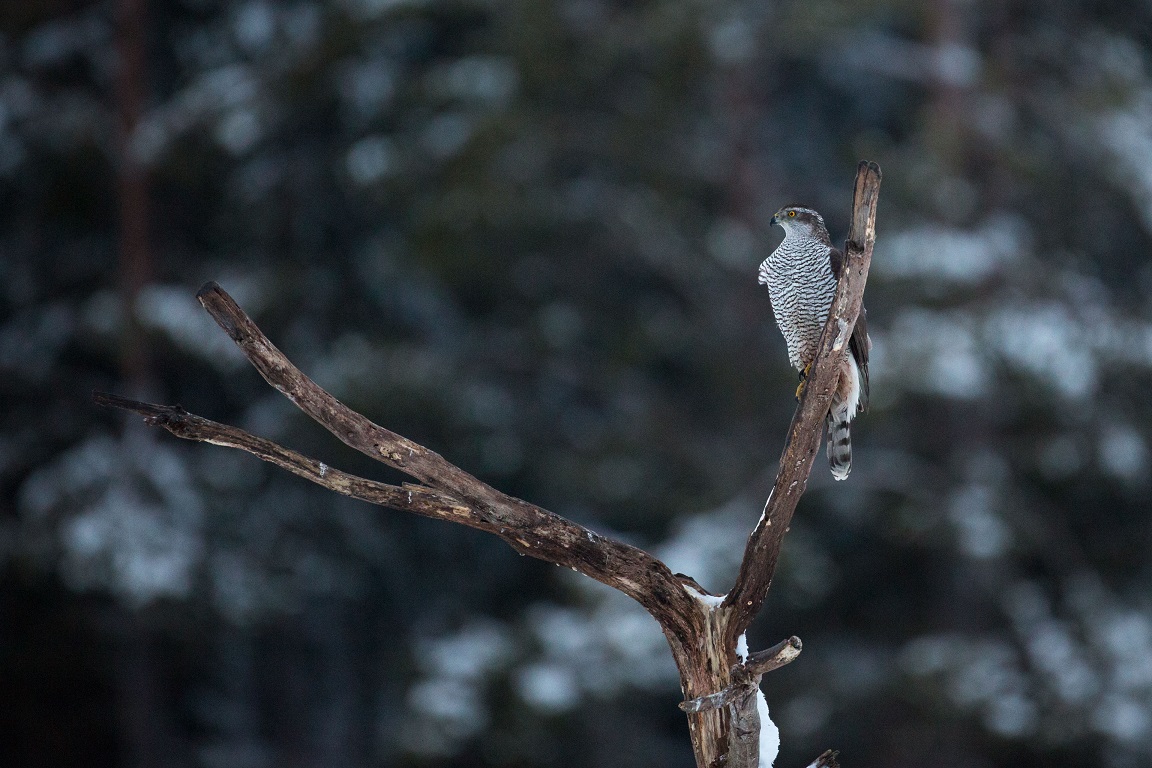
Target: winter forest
525, 234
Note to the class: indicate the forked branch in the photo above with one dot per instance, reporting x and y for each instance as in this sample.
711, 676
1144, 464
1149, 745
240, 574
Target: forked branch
702, 632
448, 492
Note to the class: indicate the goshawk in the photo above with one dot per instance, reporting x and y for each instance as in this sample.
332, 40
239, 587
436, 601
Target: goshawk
801, 276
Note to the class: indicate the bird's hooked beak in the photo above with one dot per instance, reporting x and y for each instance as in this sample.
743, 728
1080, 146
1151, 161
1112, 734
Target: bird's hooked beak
774, 221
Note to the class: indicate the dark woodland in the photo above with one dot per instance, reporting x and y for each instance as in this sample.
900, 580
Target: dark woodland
525, 235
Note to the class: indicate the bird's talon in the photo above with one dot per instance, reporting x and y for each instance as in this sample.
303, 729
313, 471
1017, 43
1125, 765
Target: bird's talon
803, 380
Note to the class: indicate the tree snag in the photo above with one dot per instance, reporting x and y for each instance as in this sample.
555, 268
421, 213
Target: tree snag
702, 630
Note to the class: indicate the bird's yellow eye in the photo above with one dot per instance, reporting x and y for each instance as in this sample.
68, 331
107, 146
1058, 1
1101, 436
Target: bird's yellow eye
791, 214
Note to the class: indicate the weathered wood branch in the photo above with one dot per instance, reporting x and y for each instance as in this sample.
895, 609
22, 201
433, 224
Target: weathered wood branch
747, 675
528, 528
744, 729
826, 760
740, 700
418, 499
702, 630
804, 435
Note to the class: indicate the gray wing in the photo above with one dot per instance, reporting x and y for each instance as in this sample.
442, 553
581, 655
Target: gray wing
859, 344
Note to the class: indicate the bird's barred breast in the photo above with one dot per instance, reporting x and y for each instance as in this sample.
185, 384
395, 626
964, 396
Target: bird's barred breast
801, 287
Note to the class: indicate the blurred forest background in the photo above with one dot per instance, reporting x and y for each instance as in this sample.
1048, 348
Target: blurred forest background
526, 234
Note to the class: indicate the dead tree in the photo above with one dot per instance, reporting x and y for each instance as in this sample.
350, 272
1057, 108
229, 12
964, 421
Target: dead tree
702, 629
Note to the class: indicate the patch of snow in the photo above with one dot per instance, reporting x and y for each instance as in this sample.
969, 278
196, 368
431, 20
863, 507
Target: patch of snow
1048, 341
1127, 139
769, 733
173, 311
888, 55
957, 256
935, 351
128, 517
712, 601
1123, 452
614, 645
370, 159
480, 80
549, 687
982, 534
709, 546
474, 652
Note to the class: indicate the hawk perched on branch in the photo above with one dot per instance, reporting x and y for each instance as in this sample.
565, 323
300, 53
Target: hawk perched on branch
801, 276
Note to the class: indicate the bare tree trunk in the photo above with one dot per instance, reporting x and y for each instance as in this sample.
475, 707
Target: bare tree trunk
702, 630
948, 110
142, 733
132, 184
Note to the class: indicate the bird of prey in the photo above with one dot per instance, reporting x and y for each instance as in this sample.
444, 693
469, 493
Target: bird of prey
801, 276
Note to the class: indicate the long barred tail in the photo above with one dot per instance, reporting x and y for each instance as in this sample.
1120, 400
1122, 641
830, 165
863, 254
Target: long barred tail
839, 445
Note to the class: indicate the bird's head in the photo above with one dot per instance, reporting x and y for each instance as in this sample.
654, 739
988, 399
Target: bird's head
802, 220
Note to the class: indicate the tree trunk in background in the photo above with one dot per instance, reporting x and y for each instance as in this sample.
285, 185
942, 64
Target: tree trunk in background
139, 701
950, 35
132, 186
144, 740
